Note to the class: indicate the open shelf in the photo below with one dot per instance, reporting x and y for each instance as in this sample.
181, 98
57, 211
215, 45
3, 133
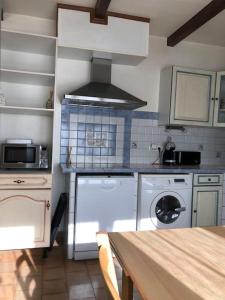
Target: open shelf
27, 110
86, 55
28, 42
26, 77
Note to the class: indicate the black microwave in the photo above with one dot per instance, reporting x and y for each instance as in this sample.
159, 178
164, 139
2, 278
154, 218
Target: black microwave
188, 157
24, 156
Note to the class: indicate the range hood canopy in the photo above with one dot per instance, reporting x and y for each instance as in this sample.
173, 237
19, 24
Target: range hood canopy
100, 92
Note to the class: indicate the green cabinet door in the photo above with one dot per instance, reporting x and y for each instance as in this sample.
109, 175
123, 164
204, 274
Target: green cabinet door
207, 206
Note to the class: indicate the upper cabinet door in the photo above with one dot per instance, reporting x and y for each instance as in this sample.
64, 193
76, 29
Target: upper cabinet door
192, 97
219, 112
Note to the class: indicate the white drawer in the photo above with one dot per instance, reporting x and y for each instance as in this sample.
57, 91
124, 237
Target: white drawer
25, 181
208, 179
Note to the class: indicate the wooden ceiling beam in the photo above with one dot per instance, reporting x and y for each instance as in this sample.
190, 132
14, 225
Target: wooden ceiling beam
202, 17
101, 8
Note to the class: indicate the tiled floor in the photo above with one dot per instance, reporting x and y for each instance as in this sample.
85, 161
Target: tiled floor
24, 274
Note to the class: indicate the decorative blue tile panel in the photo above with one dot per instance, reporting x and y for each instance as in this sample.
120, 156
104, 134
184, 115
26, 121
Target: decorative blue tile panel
96, 139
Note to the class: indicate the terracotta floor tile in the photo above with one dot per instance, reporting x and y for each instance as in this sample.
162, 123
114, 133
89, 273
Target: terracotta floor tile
29, 252
94, 269
28, 262
54, 287
7, 292
29, 283
92, 262
97, 281
7, 278
7, 267
81, 291
101, 294
63, 296
56, 251
75, 266
78, 277
28, 295
24, 271
25, 275
53, 262
54, 273
6, 256
79, 285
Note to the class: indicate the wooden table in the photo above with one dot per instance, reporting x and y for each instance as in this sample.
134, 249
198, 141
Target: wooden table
175, 264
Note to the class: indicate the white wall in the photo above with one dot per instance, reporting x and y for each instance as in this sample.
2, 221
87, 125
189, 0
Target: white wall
142, 80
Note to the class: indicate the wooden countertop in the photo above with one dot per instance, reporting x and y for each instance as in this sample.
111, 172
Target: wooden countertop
176, 264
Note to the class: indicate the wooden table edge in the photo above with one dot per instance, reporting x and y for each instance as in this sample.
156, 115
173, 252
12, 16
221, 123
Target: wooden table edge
127, 281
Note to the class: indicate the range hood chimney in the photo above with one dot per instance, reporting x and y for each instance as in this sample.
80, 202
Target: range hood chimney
100, 92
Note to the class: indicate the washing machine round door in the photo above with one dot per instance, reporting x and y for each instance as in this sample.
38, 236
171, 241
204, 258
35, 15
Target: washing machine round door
168, 210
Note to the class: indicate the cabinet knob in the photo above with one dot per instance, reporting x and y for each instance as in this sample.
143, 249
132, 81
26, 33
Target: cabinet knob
19, 181
48, 205
195, 211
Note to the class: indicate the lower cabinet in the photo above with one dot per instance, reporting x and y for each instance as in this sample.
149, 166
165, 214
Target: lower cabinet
25, 217
207, 206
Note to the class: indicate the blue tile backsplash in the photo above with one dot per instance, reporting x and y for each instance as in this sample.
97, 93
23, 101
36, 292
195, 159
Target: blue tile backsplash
101, 137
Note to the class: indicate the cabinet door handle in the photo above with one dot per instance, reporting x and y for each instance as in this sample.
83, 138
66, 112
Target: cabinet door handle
48, 205
19, 181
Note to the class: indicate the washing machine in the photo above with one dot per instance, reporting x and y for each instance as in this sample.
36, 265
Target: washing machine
164, 201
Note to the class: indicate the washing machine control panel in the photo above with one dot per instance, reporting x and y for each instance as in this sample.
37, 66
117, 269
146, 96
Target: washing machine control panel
178, 180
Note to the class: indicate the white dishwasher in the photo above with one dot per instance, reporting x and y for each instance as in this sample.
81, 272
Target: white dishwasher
103, 203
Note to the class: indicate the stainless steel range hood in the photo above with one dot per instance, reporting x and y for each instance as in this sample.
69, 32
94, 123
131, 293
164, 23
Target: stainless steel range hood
100, 92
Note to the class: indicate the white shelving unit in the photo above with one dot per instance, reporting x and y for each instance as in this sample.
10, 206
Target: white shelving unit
28, 49
26, 110
28, 42
27, 77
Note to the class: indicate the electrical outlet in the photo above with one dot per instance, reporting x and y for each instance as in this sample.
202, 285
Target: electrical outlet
134, 145
218, 154
154, 147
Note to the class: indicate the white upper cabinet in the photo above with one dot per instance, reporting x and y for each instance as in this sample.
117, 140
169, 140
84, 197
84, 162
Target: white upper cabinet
120, 36
219, 111
187, 96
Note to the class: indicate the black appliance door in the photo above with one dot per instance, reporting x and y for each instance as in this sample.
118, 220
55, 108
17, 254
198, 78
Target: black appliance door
20, 154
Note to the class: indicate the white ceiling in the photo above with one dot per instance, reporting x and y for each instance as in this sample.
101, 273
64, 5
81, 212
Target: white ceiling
166, 15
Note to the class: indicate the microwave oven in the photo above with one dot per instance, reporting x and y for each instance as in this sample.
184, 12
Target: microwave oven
24, 156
